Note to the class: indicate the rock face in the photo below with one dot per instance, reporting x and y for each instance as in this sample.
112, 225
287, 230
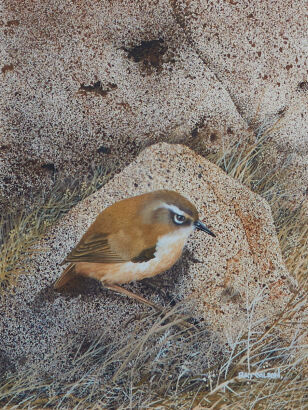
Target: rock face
92, 83
86, 83
259, 53
232, 281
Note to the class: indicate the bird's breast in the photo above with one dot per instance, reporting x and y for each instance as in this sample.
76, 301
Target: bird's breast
168, 250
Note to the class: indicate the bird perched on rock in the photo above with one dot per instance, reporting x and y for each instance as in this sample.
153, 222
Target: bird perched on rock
133, 239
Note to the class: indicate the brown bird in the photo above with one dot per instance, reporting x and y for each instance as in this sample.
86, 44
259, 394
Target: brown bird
133, 239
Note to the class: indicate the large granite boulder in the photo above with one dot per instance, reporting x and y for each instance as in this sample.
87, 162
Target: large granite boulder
259, 53
89, 83
234, 281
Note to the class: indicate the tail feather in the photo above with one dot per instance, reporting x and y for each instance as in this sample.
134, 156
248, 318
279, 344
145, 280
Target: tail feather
68, 274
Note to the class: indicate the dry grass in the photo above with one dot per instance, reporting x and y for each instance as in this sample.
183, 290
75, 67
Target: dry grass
168, 367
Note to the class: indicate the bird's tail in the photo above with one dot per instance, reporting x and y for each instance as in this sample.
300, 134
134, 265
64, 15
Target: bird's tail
68, 274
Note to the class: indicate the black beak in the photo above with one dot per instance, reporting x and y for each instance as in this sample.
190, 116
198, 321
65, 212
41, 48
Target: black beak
199, 225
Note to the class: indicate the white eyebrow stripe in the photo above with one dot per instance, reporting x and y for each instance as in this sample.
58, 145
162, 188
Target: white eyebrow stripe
174, 209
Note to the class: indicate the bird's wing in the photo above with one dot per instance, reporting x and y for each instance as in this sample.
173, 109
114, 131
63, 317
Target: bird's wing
96, 249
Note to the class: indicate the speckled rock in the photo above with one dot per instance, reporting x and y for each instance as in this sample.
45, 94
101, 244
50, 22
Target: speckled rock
91, 82
84, 84
231, 280
258, 50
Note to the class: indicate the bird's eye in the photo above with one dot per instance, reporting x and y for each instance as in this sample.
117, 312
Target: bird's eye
179, 219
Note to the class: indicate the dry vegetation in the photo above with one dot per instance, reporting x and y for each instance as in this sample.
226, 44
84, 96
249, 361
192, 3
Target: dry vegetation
167, 367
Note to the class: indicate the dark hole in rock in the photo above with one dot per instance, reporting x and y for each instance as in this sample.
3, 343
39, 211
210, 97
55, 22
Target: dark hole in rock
97, 88
149, 53
195, 132
104, 150
282, 111
49, 166
303, 86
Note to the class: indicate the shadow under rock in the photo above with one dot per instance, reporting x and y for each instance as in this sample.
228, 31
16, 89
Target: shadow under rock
5, 364
79, 286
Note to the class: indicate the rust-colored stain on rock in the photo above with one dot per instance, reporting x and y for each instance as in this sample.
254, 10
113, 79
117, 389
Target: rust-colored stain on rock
253, 228
6, 68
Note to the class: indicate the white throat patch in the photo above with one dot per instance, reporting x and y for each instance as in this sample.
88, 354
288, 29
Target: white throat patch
166, 242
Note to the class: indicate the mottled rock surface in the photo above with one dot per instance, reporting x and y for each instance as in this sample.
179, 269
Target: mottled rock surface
231, 280
258, 50
92, 82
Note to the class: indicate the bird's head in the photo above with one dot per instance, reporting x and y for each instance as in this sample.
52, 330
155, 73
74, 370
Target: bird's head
172, 210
